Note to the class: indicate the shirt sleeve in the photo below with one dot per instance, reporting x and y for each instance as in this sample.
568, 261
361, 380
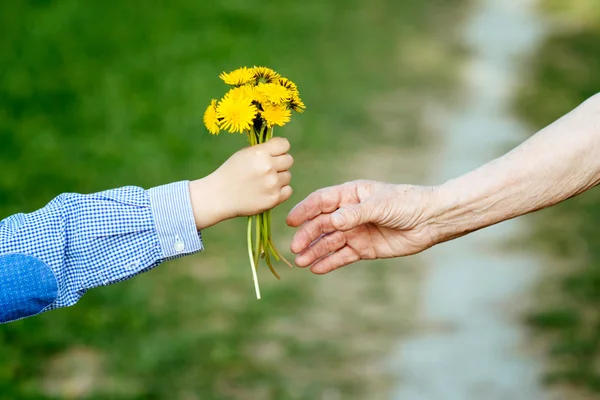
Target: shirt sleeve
49, 258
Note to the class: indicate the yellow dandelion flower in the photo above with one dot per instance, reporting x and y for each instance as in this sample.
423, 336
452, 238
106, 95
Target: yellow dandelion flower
274, 93
210, 118
246, 91
276, 114
296, 103
258, 96
237, 114
264, 75
240, 76
240, 92
289, 85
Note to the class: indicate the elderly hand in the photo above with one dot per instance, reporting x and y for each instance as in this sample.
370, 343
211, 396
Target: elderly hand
364, 220
360, 220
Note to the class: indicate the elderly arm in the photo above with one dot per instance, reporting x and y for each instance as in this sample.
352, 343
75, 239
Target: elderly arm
363, 220
559, 162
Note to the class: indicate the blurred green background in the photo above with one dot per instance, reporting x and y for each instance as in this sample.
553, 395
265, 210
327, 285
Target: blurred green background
96, 95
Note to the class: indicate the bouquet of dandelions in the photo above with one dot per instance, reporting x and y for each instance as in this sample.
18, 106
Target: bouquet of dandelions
259, 99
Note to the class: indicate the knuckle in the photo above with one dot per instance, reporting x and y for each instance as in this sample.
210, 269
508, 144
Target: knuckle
323, 224
318, 193
328, 197
271, 181
354, 213
261, 154
357, 182
263, 165
264, 169
333, 242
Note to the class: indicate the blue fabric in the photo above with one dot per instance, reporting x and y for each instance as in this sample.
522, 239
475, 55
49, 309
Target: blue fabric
100, 239
28, 287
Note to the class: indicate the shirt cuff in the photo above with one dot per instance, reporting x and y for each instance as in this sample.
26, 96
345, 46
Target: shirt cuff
174, 220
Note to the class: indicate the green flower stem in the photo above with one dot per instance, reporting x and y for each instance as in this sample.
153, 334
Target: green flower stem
257, 246
274, 253
262, 246
265, 236
252, 265
253, 252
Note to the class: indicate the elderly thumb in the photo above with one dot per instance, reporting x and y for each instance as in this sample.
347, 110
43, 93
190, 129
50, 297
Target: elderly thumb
350, 217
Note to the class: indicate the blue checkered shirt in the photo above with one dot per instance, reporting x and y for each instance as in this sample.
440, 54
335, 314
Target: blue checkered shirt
49, 258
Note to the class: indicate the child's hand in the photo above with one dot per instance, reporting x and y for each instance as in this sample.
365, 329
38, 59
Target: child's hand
256, 179
251, 181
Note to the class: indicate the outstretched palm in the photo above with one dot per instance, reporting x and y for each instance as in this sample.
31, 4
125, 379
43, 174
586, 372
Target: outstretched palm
379, 221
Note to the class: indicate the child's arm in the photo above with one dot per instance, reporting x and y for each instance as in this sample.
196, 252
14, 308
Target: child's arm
51, 257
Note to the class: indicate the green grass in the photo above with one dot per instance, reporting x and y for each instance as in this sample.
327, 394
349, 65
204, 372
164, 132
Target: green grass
568, 317
96, 95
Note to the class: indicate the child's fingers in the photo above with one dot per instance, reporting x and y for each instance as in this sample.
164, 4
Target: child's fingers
286, 193
277, 146
283, 163
285, 178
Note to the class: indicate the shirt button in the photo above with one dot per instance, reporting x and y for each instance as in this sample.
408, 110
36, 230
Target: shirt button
179, 246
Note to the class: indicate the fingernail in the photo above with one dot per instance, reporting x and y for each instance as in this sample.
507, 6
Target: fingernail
338, 219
